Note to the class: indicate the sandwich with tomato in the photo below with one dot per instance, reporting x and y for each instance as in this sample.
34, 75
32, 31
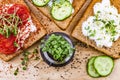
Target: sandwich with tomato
19, 28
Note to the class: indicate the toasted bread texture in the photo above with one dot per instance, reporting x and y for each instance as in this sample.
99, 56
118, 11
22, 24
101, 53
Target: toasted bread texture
34, 36
114, 51
77, 4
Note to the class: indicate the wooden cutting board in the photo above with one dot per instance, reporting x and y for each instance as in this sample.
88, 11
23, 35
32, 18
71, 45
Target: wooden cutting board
39, 70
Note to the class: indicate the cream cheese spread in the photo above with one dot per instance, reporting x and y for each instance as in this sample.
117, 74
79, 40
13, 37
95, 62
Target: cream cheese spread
104, 26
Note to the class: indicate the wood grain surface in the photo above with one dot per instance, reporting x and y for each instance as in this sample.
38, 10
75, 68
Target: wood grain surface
39, 70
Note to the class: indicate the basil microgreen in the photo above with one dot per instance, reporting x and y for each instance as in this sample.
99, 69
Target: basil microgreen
16, 71
9, 24
16, 44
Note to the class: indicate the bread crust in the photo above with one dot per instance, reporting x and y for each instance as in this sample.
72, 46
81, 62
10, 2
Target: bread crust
114, 51
34, 36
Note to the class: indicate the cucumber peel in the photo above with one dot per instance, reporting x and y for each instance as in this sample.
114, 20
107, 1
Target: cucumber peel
90, 68
61, 9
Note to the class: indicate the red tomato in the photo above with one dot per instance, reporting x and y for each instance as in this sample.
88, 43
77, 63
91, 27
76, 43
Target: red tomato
7, 44
21, 11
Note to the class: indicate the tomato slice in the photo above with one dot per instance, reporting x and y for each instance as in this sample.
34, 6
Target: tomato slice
21, 11
7, 44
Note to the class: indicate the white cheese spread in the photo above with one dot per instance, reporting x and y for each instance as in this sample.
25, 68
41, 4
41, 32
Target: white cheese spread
24, 33
104, 26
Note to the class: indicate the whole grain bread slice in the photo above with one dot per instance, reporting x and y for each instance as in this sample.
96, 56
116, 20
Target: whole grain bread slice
77, 4
34, 36
114, 51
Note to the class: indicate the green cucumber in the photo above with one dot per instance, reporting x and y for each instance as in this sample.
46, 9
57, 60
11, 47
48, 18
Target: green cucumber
103, 65
90, 68
40, 2
61, 9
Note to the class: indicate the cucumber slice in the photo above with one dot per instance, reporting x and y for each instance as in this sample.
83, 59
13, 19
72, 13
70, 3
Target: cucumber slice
103, 65
61, 9
40, 2
90, 68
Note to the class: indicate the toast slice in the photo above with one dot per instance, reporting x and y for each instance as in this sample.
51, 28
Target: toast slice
113, 51
33, 37
77, 4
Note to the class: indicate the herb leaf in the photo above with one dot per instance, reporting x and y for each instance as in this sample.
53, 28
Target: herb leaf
9, 24
57, 47
16, 71
16, 44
